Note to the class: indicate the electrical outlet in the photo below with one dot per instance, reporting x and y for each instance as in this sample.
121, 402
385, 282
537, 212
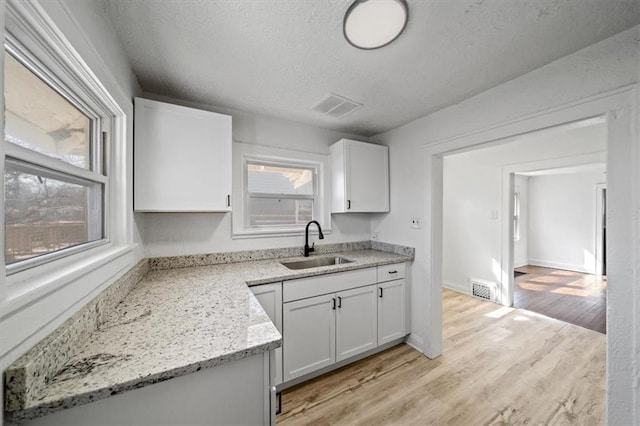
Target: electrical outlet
415, 223
374, 235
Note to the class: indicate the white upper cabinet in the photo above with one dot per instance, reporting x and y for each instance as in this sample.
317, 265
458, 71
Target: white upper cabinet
360, 177
182, 159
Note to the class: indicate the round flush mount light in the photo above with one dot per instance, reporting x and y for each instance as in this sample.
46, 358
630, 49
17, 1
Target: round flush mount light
371, 24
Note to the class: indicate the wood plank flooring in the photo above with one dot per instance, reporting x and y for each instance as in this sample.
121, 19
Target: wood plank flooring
573, 297
500, 366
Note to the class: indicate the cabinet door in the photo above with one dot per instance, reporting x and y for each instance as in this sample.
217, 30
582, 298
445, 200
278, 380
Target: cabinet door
367, 174
391, 311
355, 322
270, 298
310, 335
182, 158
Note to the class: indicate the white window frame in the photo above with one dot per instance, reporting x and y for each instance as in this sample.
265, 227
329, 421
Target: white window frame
31, 161
29, 29
516, 216
245, 153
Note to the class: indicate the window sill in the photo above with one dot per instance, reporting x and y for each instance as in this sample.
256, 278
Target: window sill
27, 286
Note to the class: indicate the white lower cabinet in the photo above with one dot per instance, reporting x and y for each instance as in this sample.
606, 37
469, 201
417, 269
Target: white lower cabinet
330, 318
310, 339
356, 322
270, 298
391, 311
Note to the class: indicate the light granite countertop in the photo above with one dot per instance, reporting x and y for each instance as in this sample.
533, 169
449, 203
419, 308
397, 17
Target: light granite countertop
175, 322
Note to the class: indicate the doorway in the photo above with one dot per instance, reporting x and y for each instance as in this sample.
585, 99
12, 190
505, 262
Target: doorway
618, 108
558, 252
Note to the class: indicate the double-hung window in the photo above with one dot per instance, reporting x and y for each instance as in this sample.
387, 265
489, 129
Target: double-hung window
280, 194
516, 216
55, 173
277, 192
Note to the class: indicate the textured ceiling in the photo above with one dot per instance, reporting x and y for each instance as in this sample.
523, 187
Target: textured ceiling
280, 57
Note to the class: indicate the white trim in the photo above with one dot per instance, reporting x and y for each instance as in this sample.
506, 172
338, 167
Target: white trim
619, 106
506, 286
416, 342
243, 152
24, 289
33, 31
65, 169
559, 265
461, 288
600, 215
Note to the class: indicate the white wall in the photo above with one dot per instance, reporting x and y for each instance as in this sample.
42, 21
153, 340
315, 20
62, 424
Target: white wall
24, 323
604, 66
167, 234
472, 245
562, 226
521, 246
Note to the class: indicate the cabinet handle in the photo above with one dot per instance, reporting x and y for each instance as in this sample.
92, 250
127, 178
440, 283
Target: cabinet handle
228, 200
334, 303
348, 204
379, 291
339, 302
393, 272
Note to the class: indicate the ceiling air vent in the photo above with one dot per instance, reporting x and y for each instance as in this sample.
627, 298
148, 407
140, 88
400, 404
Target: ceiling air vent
336, 106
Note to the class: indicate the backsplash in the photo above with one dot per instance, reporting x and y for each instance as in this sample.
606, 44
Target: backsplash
29, 374
172, 262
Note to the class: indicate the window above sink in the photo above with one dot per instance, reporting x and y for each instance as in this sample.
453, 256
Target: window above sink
276, 192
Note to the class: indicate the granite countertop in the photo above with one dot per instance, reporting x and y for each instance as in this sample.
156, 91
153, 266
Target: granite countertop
175, 322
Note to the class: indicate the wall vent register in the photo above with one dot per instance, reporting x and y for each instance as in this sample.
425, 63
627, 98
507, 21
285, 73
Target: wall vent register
483, 289
336, 106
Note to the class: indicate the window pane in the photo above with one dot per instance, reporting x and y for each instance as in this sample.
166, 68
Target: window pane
279, 212
279, 179
39, 118
44, 215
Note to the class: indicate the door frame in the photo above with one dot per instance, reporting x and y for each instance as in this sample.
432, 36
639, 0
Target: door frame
506, 285
618, 107
600, 218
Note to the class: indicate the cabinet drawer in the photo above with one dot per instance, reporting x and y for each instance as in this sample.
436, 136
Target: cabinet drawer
391, 272
325, 284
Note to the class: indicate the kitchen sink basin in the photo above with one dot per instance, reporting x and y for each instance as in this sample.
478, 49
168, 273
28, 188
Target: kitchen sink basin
316, 262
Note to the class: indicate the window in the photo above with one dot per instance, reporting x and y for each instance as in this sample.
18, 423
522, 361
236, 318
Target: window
516, 216
54, 173
280, 194
277, 192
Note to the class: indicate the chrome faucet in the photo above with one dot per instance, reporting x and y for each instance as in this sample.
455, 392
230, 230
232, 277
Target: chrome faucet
308, 249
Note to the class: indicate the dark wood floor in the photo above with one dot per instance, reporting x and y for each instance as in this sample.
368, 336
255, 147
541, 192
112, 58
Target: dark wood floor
569, 296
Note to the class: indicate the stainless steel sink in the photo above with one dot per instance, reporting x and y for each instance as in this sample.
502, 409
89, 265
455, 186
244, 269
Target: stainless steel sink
316, 262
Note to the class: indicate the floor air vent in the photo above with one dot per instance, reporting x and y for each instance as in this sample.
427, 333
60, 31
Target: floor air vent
483, 289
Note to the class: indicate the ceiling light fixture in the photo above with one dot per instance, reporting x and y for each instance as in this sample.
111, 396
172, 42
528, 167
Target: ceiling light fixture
371, 24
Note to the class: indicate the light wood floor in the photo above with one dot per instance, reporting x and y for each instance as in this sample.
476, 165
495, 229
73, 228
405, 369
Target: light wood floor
573, 297
500, 366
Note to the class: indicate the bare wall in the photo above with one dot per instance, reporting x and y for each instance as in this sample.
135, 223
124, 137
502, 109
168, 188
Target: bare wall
562, 225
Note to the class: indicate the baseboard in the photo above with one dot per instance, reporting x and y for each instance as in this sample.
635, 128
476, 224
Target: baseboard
456, 287
416, 342
559, 265
520, 263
